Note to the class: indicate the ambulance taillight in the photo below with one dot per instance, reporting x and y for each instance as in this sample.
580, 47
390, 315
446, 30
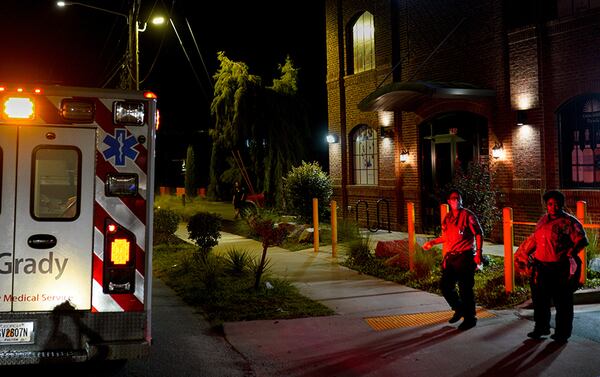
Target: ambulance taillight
119, 259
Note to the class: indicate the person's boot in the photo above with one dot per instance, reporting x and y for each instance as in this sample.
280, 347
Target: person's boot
538, 333
468, 323
456, 317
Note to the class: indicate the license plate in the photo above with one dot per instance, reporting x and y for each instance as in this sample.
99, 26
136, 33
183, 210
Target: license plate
16, 332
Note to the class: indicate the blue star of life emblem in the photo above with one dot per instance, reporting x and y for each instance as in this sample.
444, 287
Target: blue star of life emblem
120, 147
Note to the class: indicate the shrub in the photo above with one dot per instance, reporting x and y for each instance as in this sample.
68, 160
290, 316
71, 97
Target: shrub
166, 222
478, 193
204, 229
302, 184
426, 261
359, 251
237, 261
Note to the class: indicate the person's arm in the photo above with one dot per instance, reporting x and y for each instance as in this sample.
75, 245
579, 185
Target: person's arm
479, 248
429, 244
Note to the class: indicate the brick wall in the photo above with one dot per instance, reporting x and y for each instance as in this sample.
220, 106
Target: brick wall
535, 68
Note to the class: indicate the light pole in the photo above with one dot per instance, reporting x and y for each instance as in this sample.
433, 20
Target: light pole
131, 18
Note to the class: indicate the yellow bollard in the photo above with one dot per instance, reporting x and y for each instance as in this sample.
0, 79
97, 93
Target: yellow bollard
410, 214
316, 224
334, 238
581, 215
509, 273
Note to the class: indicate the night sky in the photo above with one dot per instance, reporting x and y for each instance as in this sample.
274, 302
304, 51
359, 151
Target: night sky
42, 43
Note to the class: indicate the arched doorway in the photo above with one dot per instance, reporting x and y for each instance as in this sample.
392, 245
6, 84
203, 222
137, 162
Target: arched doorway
449, 141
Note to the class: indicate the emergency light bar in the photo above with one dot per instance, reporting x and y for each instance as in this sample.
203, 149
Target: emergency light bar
19, 108
129, 113
77, 111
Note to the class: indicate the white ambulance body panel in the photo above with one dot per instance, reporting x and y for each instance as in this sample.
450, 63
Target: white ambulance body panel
8, 153
48, 275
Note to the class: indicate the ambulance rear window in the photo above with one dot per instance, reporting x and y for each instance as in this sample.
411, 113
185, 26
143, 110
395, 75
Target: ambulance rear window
56, 180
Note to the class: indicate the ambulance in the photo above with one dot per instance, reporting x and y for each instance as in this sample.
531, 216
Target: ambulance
76, 201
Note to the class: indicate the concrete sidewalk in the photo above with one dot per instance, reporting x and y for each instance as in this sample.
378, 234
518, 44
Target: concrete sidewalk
348, 344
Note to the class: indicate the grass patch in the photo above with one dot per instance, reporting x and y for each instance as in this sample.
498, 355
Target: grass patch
222, 287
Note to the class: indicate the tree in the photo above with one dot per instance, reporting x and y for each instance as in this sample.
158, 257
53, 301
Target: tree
190, 172
270, 235
267, 125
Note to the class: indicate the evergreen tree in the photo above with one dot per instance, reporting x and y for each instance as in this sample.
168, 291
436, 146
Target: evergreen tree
190, 172
267, 125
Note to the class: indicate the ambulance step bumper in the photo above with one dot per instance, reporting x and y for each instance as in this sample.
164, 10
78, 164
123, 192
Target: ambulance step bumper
118, 350
37, 357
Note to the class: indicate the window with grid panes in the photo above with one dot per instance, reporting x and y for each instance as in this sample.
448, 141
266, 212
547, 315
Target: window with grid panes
365, 158
363, 43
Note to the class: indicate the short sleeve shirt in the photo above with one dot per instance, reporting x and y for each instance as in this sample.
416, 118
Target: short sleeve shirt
459, 231
556, 237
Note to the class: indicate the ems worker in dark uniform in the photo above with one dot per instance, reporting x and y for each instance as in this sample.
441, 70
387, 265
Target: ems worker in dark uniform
460, 232
554, 245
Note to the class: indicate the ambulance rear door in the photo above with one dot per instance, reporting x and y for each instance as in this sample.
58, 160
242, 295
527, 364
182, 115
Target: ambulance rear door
53, 241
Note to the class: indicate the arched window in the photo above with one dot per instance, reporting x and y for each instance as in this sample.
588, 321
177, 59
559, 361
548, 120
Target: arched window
364, 155
579, 124
363, 43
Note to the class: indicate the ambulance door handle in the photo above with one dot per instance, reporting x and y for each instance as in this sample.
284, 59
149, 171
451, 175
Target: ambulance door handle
41, 241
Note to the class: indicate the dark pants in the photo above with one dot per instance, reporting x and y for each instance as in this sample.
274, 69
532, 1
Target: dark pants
459, 268
550, 283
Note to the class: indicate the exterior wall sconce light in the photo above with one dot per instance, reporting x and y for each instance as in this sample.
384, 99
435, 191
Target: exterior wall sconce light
404, 155
497, 150
521, 118
386, 132
332, 138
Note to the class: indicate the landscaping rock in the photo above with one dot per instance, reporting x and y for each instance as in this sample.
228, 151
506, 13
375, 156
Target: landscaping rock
307, 235
595, 264
396, 251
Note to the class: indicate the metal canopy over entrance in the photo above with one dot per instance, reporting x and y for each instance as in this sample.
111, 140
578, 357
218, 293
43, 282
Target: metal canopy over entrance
409, 95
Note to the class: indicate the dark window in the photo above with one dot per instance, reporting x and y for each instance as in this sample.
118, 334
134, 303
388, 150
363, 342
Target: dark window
579, 124
519, 13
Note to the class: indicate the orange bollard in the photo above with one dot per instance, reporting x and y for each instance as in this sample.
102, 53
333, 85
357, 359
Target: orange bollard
581, 215
410, 214
316, 224
509, 240
334, 238
444, 208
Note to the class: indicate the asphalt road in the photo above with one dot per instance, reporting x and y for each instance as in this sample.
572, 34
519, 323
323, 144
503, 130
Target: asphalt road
183, 345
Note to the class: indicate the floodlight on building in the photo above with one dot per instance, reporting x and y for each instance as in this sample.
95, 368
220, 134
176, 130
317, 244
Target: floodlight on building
332, 138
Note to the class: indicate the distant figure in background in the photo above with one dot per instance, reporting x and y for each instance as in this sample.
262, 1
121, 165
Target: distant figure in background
554, 245
239, 197
461, 231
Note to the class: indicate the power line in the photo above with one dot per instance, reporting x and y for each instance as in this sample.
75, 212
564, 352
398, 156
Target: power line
189, 60
200, 54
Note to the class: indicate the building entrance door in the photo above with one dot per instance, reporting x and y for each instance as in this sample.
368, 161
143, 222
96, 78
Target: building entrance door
449, 142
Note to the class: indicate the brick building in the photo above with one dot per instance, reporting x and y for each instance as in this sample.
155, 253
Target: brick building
417, 88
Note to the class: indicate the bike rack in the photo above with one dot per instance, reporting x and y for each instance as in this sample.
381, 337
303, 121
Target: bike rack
378, 225
387, 206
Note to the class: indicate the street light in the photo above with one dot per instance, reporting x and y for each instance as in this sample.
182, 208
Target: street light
133, 41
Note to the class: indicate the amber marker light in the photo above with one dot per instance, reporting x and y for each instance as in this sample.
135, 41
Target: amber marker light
119, 251
18, 108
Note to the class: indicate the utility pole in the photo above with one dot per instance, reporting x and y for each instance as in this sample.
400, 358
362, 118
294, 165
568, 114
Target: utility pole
133, 51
